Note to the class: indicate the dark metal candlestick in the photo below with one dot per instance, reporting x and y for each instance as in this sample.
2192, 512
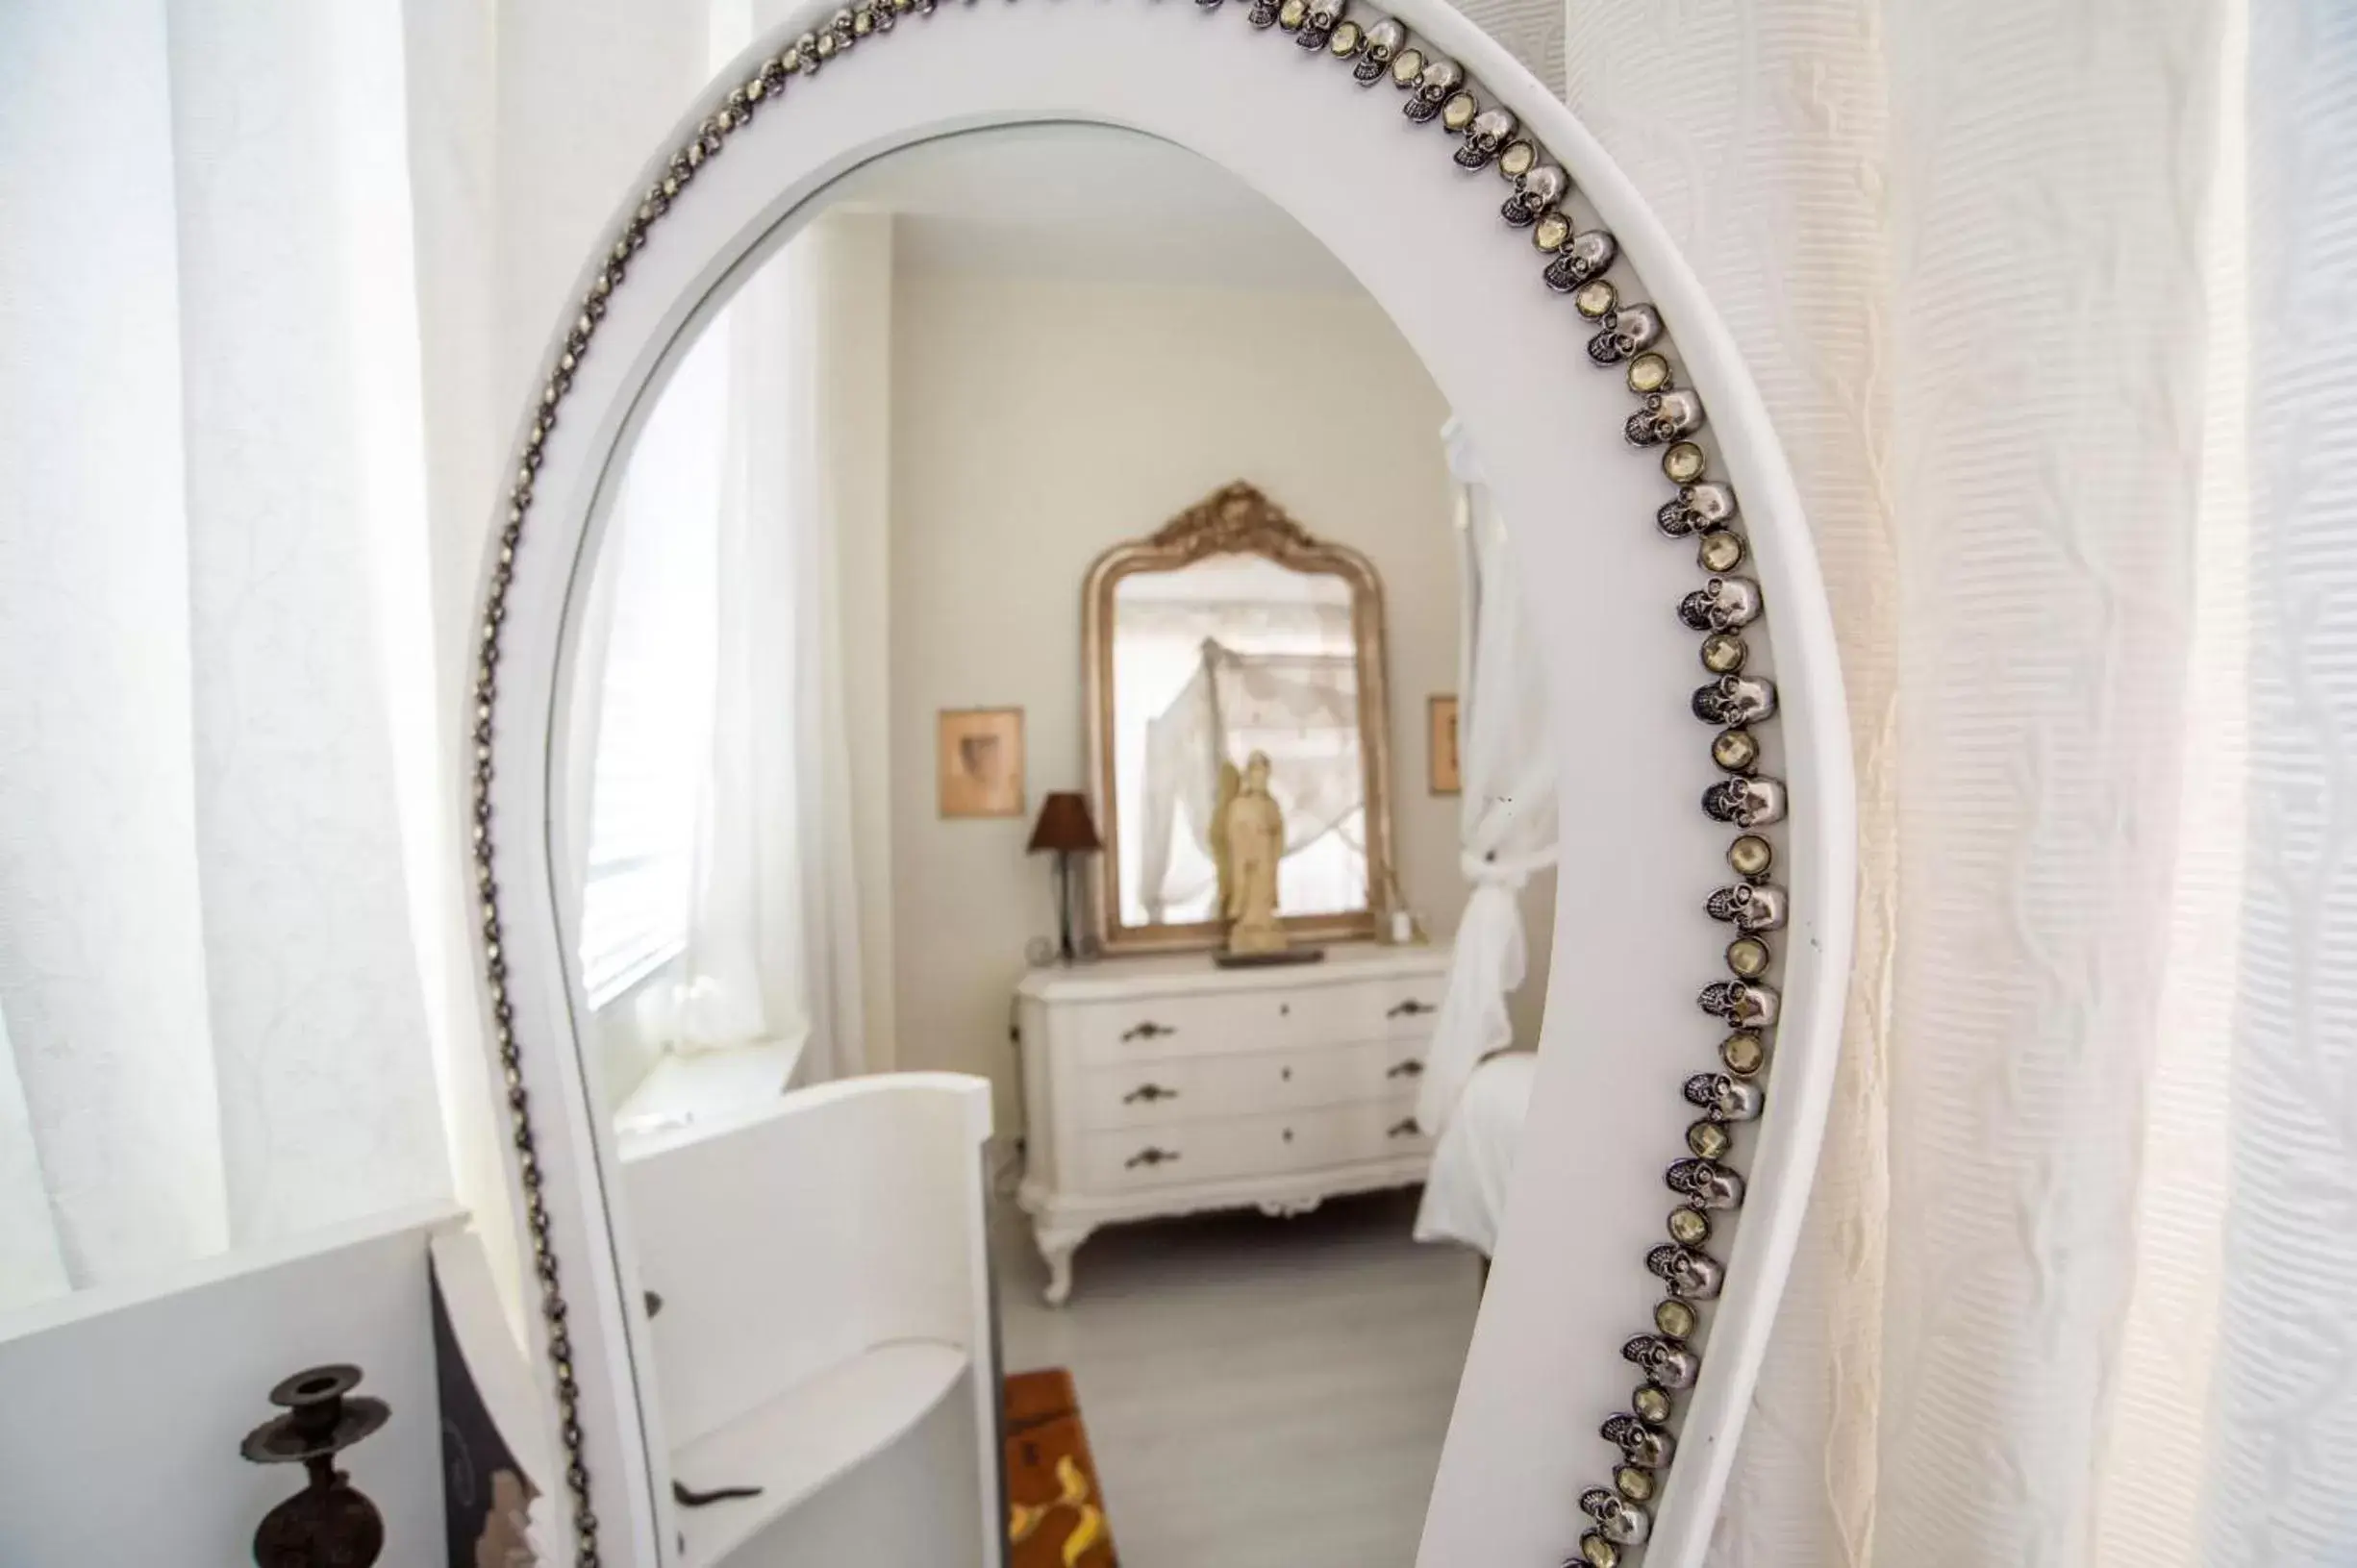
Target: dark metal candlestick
328, 1523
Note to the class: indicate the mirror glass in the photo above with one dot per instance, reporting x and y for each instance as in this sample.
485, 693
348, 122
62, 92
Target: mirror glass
1008, 808
1231, 634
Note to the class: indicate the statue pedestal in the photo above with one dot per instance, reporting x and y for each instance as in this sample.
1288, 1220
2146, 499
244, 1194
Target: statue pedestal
1228, 959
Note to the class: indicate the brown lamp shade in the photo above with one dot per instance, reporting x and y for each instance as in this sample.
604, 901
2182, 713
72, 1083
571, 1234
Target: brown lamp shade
1065, 825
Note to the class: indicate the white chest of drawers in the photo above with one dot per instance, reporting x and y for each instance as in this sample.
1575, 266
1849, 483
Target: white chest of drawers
1166, 1085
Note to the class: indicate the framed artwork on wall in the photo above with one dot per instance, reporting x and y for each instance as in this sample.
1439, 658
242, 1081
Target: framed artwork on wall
1440, 743
981, 761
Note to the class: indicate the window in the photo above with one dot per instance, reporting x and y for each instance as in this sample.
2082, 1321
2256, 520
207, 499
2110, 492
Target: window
653, 659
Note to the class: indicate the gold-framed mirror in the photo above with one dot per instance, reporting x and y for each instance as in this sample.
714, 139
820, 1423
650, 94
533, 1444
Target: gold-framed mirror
1229, 636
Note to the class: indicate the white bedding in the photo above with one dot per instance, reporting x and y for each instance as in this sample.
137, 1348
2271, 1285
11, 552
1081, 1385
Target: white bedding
1466, 1194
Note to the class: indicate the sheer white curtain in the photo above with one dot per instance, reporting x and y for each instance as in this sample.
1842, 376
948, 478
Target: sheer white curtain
1506, 759
2079, 1281
771, 929
216, 673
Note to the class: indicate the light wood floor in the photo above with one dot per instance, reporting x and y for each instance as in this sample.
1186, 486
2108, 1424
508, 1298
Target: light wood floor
1258, 1393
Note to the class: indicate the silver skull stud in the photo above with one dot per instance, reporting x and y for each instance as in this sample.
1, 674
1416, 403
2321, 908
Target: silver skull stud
1584, 257
1724, 1099
1484, 139
1632, 329
1619, 1521
1689, 1275
1707, 505
1743, 1004
1382, 41
1534, 194
1746, 802
1734, 700
1723, 603
1263, 13
1665, 1362
1648, 1447
1749, 909
1441, 79
1705, 1184
1319, 25
1667, 416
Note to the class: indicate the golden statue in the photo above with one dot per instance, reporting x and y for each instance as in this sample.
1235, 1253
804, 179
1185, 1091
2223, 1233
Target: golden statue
1252, 836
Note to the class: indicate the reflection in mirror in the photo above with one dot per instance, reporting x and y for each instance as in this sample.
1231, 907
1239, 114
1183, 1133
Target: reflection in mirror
1047, 494
1211, 664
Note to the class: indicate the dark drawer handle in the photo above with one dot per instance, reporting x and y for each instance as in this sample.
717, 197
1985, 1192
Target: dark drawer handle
1148, 1156
1406, 1129
1150, 1093
1149, 1031
1410, 1008
1411, 1068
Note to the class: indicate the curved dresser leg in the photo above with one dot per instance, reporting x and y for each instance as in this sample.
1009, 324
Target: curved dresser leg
1057, 1243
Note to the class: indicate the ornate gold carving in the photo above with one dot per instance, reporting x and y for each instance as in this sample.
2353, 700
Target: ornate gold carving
1237, 519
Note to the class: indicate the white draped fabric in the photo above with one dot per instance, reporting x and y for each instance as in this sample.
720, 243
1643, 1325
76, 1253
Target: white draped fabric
719, 561
1302, 709
2078, 1285
1507, 823
217, 769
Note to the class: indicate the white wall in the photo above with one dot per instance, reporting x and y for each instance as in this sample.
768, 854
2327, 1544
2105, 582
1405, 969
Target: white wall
1033, 425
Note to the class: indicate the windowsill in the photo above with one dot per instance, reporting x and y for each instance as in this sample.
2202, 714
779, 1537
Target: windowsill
703, 1093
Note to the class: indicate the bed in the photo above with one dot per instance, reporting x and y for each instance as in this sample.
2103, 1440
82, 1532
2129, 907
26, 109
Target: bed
1466, 1194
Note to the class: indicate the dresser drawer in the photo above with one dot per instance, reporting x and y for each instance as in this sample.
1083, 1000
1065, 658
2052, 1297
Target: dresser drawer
1157, 1092
1271, 1144
1296, 1016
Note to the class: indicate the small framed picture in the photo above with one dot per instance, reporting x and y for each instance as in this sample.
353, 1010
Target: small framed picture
981, 761
1440, 743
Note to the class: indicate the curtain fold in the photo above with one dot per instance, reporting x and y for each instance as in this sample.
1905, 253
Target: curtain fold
207, 953
1507, 808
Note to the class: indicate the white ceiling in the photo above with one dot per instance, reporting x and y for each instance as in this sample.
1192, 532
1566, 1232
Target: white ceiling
1085, 203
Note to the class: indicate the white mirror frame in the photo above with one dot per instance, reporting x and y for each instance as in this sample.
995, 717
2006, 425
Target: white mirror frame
1633, 944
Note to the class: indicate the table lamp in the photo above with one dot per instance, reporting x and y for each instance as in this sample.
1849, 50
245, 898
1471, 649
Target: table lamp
1064, 827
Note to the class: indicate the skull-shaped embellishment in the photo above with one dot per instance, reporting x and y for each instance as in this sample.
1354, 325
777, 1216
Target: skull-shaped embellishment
1383, 41
1707, 505
1441, 79
1747, 803
1723, 1099
1263, 13
1749, 908
1723, 603
1319, 25
1665, 1362
1705, 1184
1619, 1520
1743, 1004
1484, 139
1670, 415
1584, 256
1689, 1275
1632, 329
1534, 194
1735, 699
1648, 1447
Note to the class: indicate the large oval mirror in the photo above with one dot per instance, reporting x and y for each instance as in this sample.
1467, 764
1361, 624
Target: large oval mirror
1039, 596
1031, 679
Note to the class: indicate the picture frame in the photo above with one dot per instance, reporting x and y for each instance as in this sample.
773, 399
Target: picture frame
1445, 771
979, 761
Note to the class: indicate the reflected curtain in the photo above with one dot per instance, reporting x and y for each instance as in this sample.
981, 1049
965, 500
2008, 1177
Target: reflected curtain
773, 930
1506, 810
1302, 709
2050, 303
